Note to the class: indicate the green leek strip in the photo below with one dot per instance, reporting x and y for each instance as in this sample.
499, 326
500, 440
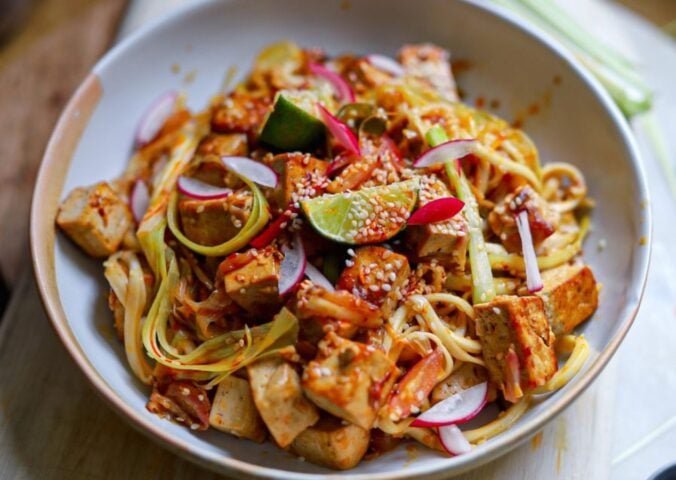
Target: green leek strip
220, 355
150, 233
615, 72
506, 165
483, 289
257, 220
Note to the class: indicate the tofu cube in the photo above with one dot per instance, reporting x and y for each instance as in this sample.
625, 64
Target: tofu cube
241, 112
301, 176
542, 219
349, 380
468, 375
251, 280
332, 444
430, 63
215, 221
517, 343
570, 295
233, 410
219, 145
279, 399
445, 241
379, 267
95, 218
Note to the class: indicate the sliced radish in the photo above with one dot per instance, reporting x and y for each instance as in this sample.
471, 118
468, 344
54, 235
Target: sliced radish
386, 64
390, 149
453, 440
436, 211
253, 170
340, 131
533, 278
458, 408
446, 152
341, 161
342, 88
318, 277
293, 266
139, 200
154, 117
273, 230
199, 190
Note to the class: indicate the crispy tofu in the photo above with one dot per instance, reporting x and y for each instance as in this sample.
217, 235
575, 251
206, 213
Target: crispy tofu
372, 267
233, 410
279, 399
251, 280
445, 241
468, 375
430, 63
570, 295
241, 112
212, 222
95, 218
339, 306
379, 267
228, 144
542, 218
301, 176
349, 380
332, 443
517, 343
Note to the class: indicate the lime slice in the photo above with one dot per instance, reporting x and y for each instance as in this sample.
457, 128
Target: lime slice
292, 124
369, 215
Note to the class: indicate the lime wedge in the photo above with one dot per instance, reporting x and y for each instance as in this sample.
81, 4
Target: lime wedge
369, 215
292, 124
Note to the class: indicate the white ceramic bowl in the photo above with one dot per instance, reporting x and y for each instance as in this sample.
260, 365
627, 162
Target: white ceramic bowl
509, 61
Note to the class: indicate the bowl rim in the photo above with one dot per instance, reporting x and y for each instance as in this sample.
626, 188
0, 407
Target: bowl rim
48, 191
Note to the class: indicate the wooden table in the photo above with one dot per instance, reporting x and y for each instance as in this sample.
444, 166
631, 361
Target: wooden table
52, 425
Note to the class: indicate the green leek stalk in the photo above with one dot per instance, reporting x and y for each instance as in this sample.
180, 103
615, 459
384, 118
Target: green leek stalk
483, 289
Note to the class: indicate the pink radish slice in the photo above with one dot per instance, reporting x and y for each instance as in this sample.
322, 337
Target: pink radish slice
453, 440
342, 88
341, 132
446, 152
533, 278
292, 267
386, 64
458, 408
154, 117
436, 211
253, 170
139, 200
199, 190
318, 277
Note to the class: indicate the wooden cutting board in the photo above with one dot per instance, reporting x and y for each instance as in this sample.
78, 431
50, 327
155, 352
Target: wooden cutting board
52, 424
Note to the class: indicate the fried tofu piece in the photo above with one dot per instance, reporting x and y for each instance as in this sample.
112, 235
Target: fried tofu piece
214, 221
542, 218
251, 280
301, 176
339, 306
95, 218
228, 144
468, 375
431, 63
570, 295
233, 410
279, 399
332, 443
377, 275
349, 380
517, 343
241, 112
445, 241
